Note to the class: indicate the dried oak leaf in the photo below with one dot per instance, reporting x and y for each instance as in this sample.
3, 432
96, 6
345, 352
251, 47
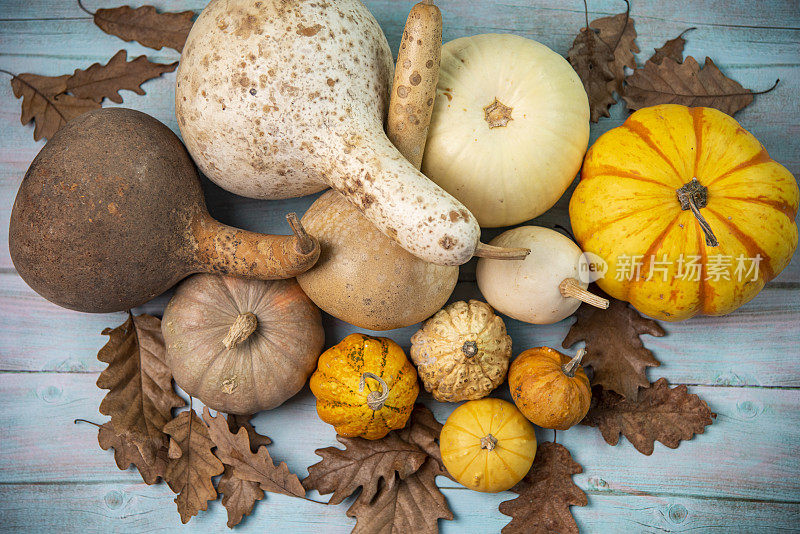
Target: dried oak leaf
614, 349
661, 414
672, 49
619, 34
239, 496
44, 101
546, 494
685, 83
423, 431
146, 26
366, 464
126, 453
234, 450
191, 464
414, 504
105, 81
363, 464
592, 60
140, 398
235, 422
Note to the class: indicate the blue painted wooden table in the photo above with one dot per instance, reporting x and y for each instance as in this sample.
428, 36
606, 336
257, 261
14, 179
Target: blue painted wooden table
743, 474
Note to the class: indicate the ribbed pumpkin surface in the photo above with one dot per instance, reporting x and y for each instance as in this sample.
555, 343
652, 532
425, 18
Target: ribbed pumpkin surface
342, 402
626, 207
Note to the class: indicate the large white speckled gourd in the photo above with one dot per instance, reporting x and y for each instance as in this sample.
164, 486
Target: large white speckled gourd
281, 98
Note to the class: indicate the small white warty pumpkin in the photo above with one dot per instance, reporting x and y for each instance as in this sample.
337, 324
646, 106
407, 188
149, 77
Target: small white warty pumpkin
462, 352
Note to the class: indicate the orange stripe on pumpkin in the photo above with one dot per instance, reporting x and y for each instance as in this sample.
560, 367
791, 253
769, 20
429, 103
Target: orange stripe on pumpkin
782, 207
608, 170
749, 244
645, 135
761, 157
697, 122
650, 252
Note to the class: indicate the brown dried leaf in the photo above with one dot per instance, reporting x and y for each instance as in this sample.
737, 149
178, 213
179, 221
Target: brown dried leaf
414, 504
685, 83
43, 101
592, 59
190, 475
126, 453
661, 414
545, 494
140, 398
234, 450
672, 49
423, 431
235, 422
146, 26
619, 34
238, 496
614, 349
105, 81
363, 463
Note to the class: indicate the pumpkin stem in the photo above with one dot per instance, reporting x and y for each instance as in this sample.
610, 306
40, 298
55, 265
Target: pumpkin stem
375, 399
497, 114
469, 348
570, 287
501, 253
305, 243
571, 366
244, 325
693, 195
488, 442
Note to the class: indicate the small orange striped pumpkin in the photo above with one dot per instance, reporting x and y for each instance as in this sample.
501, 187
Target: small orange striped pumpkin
365, 386
632, 207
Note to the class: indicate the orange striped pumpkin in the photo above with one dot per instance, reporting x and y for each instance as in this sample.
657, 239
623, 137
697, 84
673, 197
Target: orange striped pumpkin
633, 207
365, 386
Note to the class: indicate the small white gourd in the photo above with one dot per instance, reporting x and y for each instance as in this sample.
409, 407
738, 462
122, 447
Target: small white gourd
543, 288
509, 129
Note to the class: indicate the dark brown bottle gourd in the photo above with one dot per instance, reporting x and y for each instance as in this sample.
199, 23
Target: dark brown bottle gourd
111, 214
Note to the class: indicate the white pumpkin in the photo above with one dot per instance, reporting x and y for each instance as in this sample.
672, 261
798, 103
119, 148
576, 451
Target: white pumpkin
509, 129
545, 287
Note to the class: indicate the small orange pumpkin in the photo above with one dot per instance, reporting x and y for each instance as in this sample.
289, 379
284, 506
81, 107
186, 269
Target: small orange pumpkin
365, 386
549, 388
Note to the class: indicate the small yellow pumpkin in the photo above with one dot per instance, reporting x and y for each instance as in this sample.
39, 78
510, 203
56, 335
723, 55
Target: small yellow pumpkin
688, 210
550, 389
365, 386
462, 352
487, 445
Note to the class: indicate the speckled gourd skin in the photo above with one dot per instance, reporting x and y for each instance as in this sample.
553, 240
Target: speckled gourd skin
280, 98
335, 384
446, 367
263, 371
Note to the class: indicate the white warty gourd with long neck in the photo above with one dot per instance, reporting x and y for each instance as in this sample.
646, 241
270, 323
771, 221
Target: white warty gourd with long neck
282, 98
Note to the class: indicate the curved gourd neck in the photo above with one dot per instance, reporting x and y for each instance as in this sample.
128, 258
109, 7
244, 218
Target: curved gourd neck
222, 249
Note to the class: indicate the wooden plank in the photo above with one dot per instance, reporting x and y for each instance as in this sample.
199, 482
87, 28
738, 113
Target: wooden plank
756, 345
122, 507
750, 452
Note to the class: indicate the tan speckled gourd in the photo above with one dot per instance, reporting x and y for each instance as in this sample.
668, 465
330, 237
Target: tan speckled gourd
462, 352
282, 98
239, 345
